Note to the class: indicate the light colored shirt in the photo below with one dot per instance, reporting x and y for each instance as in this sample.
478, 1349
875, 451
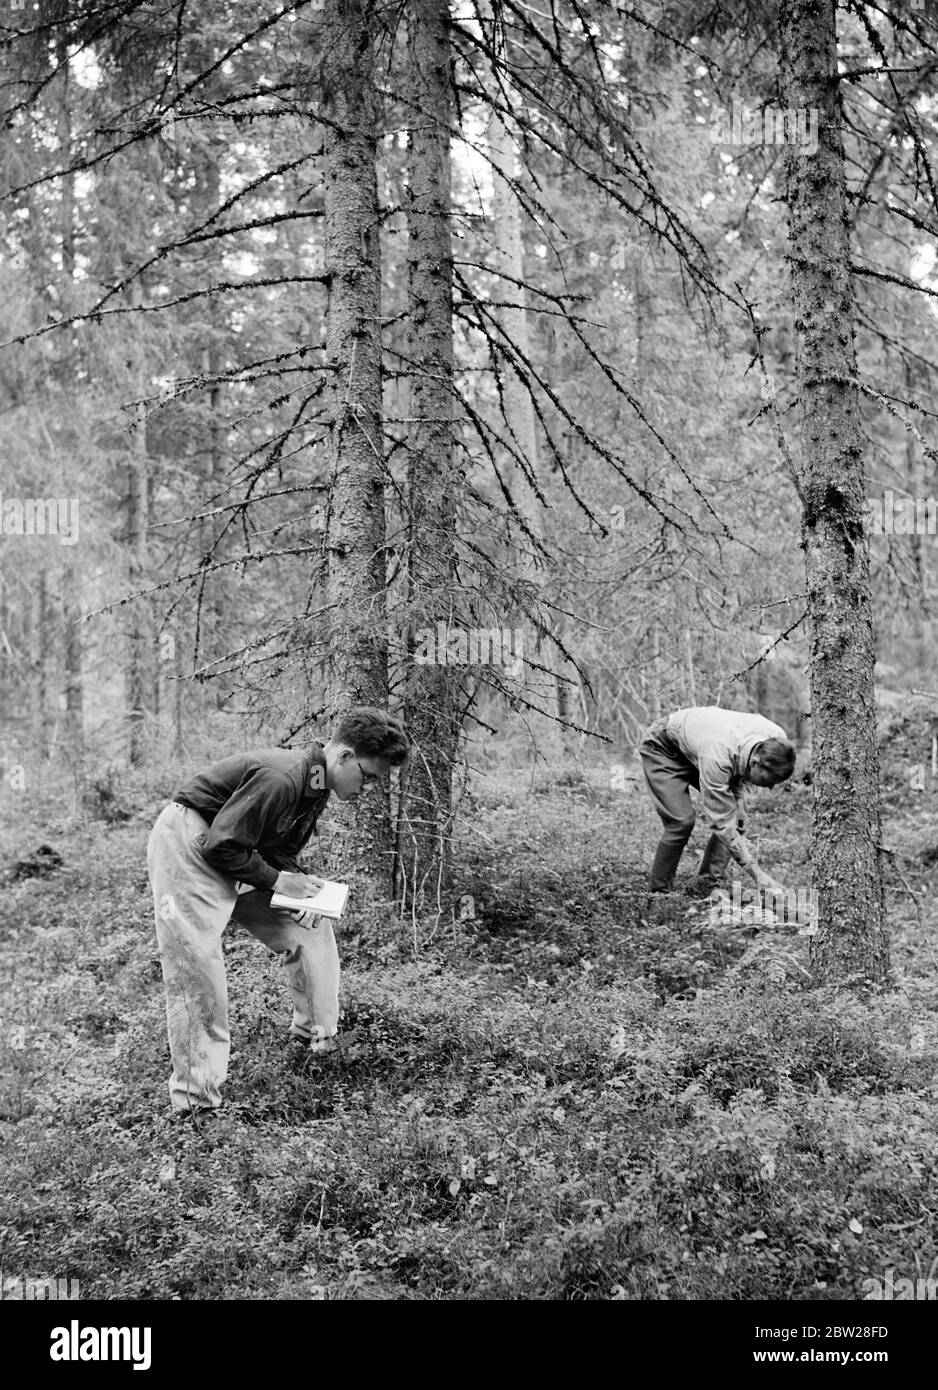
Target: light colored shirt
719, 743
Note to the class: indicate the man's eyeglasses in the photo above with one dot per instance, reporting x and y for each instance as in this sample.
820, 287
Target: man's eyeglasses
369, 779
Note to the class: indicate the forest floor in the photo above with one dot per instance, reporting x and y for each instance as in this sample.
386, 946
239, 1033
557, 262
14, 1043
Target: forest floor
584, 1093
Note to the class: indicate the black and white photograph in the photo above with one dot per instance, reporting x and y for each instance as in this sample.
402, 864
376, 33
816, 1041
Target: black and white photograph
469, 666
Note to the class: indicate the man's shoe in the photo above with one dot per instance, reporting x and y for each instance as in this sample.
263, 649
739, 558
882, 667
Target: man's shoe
703, 885
196, 1114
300, 1049
341, 1042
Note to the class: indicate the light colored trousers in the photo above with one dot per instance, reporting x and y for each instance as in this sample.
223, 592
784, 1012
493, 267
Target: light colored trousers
193, 904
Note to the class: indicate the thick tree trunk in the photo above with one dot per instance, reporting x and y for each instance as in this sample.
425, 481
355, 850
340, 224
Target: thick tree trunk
430, 708
355, 563
851, 943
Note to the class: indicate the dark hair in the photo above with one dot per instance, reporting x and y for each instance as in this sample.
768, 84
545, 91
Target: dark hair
373, 733
777, 757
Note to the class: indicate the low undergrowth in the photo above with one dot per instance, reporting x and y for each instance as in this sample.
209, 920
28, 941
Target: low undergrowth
580, 1093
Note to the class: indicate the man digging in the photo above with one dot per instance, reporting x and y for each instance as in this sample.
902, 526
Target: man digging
719, 752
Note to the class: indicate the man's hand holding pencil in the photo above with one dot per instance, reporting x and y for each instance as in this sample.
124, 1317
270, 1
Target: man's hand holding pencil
299, 886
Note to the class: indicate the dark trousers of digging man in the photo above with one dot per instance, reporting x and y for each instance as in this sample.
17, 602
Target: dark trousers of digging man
670, 775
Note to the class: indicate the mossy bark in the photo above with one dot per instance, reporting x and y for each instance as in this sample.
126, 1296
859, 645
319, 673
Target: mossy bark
851, 944
432, 689
355, 531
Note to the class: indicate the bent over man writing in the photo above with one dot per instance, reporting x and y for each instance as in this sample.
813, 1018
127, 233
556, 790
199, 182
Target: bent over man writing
228, 839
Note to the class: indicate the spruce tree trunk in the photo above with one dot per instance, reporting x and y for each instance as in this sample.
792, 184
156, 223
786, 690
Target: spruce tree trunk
211, 638
431, 695
179, 714
548, 688
508, 259
73, 725
355, 538
139, 646
139, 688
655, 697
73, 729
211, 617
44, 621
519, 418
851, 943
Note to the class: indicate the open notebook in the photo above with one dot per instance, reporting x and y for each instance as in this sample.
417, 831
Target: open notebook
328, 902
